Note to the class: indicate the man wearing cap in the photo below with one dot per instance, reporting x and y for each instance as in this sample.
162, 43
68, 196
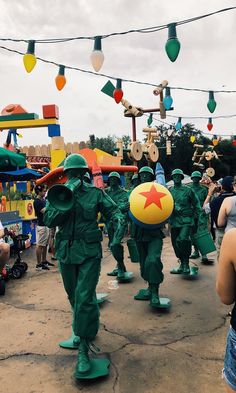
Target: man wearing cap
149, 243
185, 216
121, 198
42, 231
78, 248
201, 192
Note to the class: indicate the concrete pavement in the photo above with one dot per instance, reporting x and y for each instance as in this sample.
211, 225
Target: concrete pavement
150, 351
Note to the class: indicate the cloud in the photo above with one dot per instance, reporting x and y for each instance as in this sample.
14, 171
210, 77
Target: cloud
206, 60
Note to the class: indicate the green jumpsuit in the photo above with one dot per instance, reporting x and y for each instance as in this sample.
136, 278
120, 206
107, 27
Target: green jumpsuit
186, 211
201, 192
149, 243
79, 251
121, 199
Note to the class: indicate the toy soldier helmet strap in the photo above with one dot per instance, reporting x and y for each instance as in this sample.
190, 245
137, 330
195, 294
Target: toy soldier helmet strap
114, 174
177, 172
75, 161
196, 174
134, 177
87, 175
146, 169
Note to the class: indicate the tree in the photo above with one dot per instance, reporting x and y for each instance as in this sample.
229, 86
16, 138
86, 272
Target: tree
182, 151
106, 144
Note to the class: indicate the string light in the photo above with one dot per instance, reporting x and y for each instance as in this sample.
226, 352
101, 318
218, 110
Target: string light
215, 140
168, 100
178, 125
211, 105
210, 125
150, 119
29, 58
118, 92
60, 79
172, 46
97, 56
234, 140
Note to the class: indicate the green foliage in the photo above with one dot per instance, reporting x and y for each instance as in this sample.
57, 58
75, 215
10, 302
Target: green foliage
181, 152
12, 195
106, 144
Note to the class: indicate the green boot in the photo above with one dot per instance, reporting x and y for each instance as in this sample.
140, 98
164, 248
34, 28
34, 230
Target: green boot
154, 300
143, 294
113, 273
178, 270
83, 365
205, 260
70, 343
121, 270
195, 254
186, 268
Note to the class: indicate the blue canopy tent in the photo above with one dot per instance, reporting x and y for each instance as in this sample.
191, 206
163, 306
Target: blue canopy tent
24, 174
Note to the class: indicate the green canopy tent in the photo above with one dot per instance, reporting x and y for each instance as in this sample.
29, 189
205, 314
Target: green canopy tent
10, 161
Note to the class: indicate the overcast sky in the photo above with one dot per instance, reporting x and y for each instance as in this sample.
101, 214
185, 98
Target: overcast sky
206, 61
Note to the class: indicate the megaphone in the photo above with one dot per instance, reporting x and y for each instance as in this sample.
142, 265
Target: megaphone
61, 197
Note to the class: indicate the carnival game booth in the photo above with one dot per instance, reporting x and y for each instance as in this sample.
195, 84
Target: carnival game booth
18, 203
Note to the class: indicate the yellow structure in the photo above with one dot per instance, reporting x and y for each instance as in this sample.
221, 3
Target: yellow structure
4, 125
57, 156
25, 208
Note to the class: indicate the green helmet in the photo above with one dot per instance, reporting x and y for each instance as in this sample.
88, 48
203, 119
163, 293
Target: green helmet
177, 172
196, 174
114, 174
75, 161
146, 169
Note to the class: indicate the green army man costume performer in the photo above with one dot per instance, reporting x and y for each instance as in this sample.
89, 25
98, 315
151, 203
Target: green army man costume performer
121, 198
101, 297
135, 181
185, 216
79, 251
149, 243
201, 192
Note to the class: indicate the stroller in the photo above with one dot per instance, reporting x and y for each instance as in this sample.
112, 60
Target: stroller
19, 243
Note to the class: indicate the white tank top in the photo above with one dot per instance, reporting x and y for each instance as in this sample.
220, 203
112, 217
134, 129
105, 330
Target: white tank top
231, 218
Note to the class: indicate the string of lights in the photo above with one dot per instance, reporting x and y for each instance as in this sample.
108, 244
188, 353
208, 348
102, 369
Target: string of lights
171, 125
152, 84
172, 48
203, 117
145, 30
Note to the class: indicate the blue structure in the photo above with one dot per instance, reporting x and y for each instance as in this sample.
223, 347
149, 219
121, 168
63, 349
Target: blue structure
160, 175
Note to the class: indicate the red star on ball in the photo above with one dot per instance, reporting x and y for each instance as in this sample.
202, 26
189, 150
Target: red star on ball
153, 196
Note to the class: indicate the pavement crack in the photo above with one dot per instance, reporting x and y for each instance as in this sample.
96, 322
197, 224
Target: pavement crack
117, 334
116, 377
31, 307
164, 344
21, 354
214, 359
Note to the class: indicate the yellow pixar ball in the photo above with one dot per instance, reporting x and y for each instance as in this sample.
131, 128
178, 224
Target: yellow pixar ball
151, 204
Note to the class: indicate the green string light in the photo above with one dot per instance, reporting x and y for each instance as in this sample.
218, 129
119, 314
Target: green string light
172, 46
